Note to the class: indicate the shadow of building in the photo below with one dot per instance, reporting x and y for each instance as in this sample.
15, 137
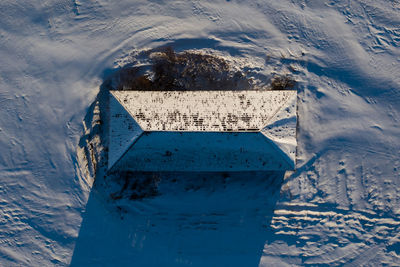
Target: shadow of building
197, 219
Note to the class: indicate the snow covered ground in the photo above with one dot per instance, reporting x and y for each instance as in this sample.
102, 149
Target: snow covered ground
341, 206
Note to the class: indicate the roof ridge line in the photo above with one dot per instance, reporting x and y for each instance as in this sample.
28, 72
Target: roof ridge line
122, 104
277, 110
134, 141
288, 160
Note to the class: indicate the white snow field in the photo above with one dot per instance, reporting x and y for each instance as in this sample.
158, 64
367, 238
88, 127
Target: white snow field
340, 207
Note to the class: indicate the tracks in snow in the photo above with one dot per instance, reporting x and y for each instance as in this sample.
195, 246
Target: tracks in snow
354, 238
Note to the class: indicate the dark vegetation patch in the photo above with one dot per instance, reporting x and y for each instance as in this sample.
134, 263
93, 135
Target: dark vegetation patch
135, 185
284, 82
168, 70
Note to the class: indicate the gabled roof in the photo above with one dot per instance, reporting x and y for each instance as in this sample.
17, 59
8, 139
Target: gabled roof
203, 130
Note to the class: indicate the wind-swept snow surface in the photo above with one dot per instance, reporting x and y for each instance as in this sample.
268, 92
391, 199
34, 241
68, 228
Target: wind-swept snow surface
341, 206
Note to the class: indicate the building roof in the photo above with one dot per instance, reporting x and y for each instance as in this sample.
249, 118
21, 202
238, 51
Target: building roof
203, 130
211, 111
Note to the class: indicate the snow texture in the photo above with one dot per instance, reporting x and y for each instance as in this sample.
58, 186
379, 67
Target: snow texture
341, 207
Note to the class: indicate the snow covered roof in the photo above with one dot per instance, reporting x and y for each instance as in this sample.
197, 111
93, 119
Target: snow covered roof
211, 111
203, 130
